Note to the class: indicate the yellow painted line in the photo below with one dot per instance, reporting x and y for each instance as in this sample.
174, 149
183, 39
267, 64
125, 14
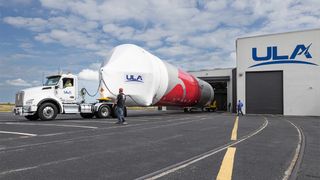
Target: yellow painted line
235, 129
225, 172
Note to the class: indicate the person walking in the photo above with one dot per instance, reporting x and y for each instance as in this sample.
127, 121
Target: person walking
239, 108
120, 103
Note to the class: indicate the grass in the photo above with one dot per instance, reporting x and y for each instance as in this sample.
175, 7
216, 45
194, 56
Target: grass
5, 107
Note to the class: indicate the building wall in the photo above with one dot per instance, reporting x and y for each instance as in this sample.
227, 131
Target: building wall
218, 73
301, 82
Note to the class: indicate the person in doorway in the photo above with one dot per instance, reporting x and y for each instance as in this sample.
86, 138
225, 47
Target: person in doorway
239, 108
67, 84
120, 103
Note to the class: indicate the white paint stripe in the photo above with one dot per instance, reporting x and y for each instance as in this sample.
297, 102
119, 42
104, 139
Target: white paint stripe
95, 121
289, 170
57, 125
139, 120
175, 122
181, 165
79, 157
35, 167
17, 170
53, 134
17, 133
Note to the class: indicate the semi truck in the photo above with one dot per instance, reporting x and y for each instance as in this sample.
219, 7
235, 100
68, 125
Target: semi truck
146, 80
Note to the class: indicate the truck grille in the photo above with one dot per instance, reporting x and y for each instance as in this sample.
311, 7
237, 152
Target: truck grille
19, 98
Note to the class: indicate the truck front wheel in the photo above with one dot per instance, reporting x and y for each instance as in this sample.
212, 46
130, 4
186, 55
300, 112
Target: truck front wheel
47, 111
103, 112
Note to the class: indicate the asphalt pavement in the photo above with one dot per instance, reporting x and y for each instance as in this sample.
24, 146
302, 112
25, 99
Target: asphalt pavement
161, 145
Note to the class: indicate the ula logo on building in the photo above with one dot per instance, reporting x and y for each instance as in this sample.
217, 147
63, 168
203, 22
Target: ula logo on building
273, 57
133, 78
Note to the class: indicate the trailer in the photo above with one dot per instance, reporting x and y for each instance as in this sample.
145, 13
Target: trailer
146, 80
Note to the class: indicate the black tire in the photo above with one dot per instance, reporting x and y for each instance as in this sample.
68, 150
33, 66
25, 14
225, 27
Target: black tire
47, 111
125, 113
185, 110
32, 117
87, 115
103, 112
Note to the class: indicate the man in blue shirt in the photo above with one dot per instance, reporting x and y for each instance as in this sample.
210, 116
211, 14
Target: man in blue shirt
239, 108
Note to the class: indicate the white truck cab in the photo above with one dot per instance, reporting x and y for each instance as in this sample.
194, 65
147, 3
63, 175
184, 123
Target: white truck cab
59, 95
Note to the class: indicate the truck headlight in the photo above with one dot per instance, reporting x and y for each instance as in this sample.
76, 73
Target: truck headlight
29, 102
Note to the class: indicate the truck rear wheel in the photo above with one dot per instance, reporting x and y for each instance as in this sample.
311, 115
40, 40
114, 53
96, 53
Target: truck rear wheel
103, 112
86, 115
47, 111
32, 117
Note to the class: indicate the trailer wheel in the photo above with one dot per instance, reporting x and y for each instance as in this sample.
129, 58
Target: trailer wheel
87, 115
32, 117
103, 112
47, 111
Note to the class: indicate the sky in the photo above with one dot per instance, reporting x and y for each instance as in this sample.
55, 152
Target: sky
41, 37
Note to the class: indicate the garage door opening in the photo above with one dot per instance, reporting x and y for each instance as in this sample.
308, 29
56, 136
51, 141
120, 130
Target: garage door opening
220, 95
264, 92
220, 86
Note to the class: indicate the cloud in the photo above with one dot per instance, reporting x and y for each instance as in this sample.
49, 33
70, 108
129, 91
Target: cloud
34, 24
15, 3
22, 56
26, 45
89, 74
69, 38
180, 30
18, 82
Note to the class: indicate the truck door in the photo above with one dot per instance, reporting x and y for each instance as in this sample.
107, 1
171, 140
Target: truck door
67, 92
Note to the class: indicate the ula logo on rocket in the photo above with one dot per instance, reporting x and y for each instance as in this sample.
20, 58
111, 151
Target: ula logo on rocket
272, 56
133, 78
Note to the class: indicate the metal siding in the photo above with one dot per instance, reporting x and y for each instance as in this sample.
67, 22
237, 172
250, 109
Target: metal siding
234, 90
264, 92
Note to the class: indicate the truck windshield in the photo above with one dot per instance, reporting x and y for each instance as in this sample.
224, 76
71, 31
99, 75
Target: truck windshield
52, 80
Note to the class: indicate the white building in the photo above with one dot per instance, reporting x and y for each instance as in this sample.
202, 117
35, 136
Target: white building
280, 73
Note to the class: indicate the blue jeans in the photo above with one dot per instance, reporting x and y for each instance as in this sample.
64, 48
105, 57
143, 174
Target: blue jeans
120, 115
240, 111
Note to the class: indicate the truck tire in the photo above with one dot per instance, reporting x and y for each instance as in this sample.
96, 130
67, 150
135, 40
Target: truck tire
87, 115
125, 113
114, 112
47, 111
32, 117
103, 112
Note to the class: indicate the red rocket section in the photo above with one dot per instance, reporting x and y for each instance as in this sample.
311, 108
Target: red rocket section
177, 97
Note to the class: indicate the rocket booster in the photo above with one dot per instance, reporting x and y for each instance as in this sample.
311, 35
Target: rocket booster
148, 80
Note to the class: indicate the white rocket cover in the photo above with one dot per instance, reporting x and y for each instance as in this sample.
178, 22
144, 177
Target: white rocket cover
142, 75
